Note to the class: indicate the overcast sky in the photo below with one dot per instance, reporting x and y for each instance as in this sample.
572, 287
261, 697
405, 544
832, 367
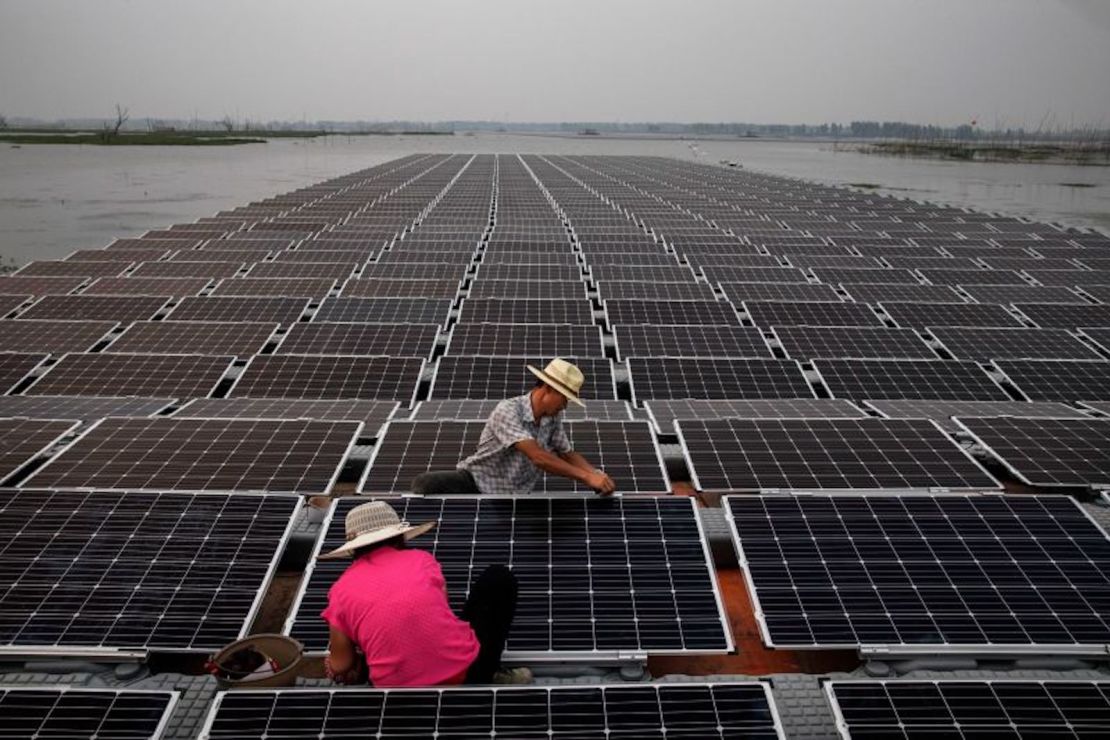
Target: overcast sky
933, 61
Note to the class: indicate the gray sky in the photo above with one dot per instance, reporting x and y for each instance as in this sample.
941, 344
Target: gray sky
763, 61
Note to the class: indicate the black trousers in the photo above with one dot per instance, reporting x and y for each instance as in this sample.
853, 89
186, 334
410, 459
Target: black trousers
490, 609
437, 482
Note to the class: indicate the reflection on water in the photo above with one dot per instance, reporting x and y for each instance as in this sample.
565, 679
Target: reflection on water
54, 199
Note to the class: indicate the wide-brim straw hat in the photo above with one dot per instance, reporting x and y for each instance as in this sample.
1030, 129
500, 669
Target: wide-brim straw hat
563, 377
374, 522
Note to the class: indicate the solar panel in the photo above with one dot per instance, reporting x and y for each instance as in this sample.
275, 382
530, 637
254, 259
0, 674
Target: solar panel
942, 412
327, 270
180, 269
84, 713
626, 450
910, 573
373, 414
214, 338
664, 412
796, 292
131, 572
95, 307
897, 293
15, 366
723, 274
168, 453
617, 290
546, 340
303, 254
532, 289
239, 308
670, 312
479, 410
834, 275
707, 340
330, 377
81, 408
861, 342
9, 303
178, 376
973, 277
1059, 316
413, 271
385, 310
690, 710
716, 378
826, 454
468, 376
1020, 710
597, 576
903, 379
56, 337
22, 440
1068, 278
526, 311
1004, 294
1100, 336
382, 288
31, 285
72, 269
1047, 452
327, 338
307, 287
981, 345
635, 273
1098, 292
1059, 380
828, 313
176, 287
533, 272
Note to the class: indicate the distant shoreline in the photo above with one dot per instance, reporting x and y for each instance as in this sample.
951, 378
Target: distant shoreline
38, 137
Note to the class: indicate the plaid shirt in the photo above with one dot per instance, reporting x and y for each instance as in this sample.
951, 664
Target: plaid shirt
498, 467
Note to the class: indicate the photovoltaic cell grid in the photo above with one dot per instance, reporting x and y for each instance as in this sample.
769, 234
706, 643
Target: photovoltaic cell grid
315, 288
330, 377
9, 303
239, 308
95, 307
532, 289
80, 408
85, 714
626, 450
1004, 294
544, 340
162, 453
384, 310
179, 376
1047, 452
810, 313
617, 290
628, 312
333, 338
680, 377
373, 414
947, 379
981, 345
134, 572
976, 710
898, 293
1062, 316
1066, 381
921, 315
664, 412
943, 412
208, 337
709, 340
916, 573
740, 292
826, 454
858, 342
22, 440
15, 366
595, 575
41, 335
176, 287
385, 288
691, 710
526, 311
479, 410
460, 376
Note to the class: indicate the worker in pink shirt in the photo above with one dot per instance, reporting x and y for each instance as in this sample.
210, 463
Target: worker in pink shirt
388, 614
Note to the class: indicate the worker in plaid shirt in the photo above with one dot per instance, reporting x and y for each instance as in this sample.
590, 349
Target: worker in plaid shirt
523, 437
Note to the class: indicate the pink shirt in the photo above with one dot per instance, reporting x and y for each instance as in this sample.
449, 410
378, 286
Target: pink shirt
393, 604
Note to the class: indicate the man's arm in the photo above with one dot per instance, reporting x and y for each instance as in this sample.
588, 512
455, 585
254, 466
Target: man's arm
581, 471
341, 651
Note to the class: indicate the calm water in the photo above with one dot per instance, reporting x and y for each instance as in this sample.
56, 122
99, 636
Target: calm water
54, 199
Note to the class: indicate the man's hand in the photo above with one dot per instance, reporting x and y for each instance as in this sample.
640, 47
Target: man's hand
601, 483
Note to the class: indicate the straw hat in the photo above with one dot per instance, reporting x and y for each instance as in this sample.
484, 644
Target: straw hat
374, 522
563, 377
